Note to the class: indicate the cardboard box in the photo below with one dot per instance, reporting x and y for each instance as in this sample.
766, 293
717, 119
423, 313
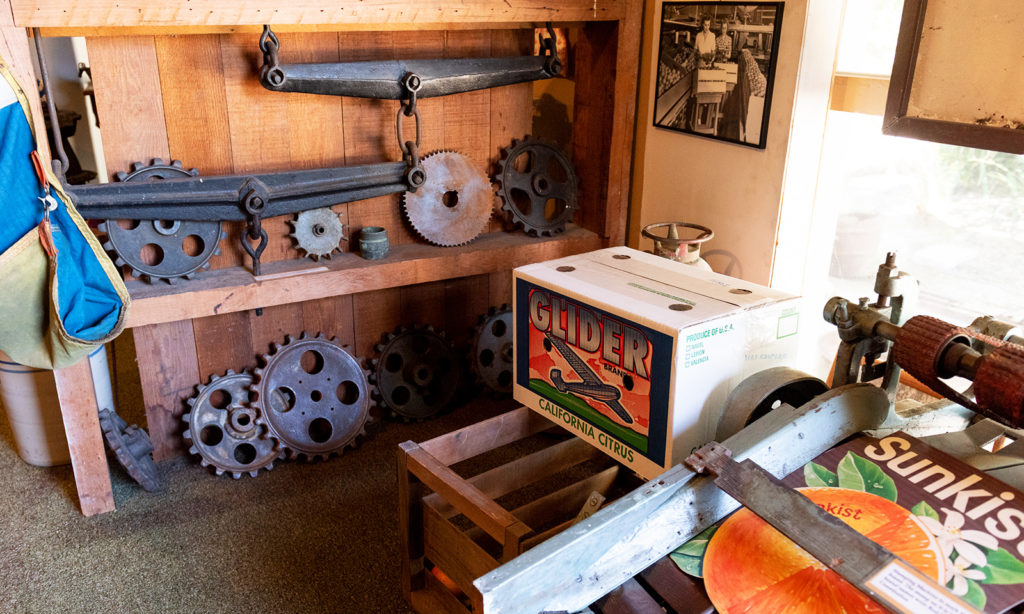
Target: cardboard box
637, 353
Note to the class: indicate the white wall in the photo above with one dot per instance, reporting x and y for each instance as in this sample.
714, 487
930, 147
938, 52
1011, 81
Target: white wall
734, 189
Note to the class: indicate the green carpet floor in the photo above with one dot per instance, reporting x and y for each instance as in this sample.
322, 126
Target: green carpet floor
305, 537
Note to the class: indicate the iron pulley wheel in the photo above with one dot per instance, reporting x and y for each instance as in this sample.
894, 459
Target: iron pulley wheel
538, 186
762, 392
492, 350
313, 396
222, 427
417, 373
161, 249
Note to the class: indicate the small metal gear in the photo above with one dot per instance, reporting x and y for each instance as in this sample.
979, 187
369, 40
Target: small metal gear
132, 447
537, 186
454, 205
416, 371
313, 396
223, 429
492, 350
318, 232
161, 249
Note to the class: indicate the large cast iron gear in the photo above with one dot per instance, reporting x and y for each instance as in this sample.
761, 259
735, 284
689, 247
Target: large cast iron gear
416, 371
313, 396
492, 350
537, 186
455, 203
132, 447
161, 249
223, 430
318, 232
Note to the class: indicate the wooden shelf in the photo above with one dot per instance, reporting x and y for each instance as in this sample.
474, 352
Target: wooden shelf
291, 281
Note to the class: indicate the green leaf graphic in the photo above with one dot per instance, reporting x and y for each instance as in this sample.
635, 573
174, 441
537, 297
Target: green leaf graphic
1002, 568
816, 475
975, 594
858, 473
690, 556
923, 509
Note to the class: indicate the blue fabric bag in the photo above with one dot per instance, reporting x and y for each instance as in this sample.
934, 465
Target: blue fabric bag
60, 295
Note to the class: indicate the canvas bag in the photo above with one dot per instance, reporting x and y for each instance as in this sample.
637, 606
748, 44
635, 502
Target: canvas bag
56, 306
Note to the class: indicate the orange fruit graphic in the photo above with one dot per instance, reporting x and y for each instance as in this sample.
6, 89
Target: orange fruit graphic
751, 567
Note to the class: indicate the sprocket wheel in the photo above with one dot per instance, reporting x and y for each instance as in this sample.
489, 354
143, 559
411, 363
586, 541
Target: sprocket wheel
455, 203
132, 447
223, 430
537, 186
416, 371
492, 350
161, 249
313, 396
318, 232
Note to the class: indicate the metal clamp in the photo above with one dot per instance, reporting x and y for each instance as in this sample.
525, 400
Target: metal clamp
415, 176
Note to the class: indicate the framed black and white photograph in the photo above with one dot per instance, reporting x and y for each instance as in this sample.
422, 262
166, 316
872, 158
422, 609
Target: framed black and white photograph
716, 66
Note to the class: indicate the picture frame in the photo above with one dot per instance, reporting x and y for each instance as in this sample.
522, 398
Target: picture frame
713, 83
939, 93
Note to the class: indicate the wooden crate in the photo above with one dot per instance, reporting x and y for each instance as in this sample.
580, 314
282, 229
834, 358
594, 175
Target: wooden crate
462, 525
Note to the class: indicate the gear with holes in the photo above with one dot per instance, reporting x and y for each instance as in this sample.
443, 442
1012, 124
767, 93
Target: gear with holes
761, 393
416, 371
537, 186
454, 205
492, 350
223, 430
161, 249
132, 447
318, 232
313, 396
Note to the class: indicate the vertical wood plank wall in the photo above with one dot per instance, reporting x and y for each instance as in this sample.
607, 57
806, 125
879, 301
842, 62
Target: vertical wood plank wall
196, 98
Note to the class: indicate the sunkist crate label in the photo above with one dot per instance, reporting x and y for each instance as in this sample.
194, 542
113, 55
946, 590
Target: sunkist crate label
599, 374
954, 524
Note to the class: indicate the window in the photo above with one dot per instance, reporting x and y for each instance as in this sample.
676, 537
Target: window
954, 215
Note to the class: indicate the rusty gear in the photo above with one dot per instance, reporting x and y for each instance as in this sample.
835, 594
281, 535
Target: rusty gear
537, 186
454, 205
132, 447
313, 396
176, 249
416, 371
492, 350
318, 232
222, 428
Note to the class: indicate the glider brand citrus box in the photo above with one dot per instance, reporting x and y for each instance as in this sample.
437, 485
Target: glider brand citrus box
637, 353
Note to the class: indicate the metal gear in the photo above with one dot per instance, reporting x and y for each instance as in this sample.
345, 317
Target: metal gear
537, 186
173, 249
318, 232
455, 203
223, 430
132, 447
313, 396
492, 350
416, 372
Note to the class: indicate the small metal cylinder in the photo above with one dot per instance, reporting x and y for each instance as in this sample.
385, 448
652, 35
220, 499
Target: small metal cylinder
373, 243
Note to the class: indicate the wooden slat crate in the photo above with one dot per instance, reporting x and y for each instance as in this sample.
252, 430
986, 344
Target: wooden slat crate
463, 525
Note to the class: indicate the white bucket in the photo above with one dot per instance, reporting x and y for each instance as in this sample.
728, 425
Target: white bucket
30, 398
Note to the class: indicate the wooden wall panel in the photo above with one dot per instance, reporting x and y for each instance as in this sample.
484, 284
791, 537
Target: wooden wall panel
126, 79
169, 371
196, 116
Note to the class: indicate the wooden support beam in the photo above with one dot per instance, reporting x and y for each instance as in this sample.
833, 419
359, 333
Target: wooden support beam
85, 440
370, 15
